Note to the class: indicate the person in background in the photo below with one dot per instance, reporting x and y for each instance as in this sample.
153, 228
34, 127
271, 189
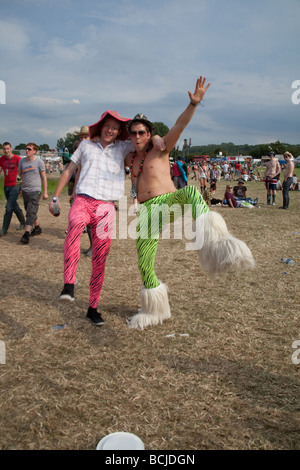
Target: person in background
180, 176
32, 172
214, 175
9, 164
272, 175
195, 171
287, 179
203, 176
240, 193
229, 198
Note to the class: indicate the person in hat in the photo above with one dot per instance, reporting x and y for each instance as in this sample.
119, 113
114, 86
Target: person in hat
100, 183
287, 179
161, 202
240, 193
272, 175
84, 133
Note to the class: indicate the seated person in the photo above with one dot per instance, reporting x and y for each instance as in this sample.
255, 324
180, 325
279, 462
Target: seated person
240, 190
295, 183
232, 202
240, 193
229, 198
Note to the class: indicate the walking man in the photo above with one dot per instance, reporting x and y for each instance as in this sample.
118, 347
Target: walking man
9, 164
32, 172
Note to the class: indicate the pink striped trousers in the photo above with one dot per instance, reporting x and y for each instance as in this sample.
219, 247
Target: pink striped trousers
100, 216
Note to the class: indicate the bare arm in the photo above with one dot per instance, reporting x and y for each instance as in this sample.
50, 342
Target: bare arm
45, 184
63, 180
173, 135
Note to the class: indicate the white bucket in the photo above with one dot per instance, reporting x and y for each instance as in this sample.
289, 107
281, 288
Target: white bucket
120, 441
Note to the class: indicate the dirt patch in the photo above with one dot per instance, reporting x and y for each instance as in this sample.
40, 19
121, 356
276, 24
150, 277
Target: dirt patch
218, 375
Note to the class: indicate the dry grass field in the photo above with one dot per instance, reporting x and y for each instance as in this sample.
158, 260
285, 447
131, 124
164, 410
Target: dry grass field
218, 375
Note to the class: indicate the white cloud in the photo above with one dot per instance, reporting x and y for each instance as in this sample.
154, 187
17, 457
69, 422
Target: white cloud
145, 58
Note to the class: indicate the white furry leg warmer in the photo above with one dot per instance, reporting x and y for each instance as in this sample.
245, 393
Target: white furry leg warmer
155, 307
218, 250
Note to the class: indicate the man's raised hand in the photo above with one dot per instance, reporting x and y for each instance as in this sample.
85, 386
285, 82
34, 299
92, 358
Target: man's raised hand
199, 92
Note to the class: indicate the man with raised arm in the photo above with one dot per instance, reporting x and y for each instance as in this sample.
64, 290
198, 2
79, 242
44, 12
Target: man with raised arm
219, 251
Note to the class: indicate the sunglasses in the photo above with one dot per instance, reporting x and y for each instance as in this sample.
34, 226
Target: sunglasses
29, 149
134, 133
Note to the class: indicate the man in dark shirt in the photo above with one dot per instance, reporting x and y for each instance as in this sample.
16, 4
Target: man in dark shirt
240, 190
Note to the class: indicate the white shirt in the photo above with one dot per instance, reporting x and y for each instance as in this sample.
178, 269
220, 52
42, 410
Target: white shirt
102, 169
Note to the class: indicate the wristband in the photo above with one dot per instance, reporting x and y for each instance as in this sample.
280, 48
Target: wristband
193, 104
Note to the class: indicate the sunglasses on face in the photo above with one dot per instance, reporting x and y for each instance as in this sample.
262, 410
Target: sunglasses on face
29, 149
134, 133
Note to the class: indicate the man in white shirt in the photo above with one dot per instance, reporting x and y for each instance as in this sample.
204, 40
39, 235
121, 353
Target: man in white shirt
101, 182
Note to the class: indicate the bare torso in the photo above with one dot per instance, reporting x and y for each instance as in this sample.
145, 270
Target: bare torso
288, 172
153, 178
272, 168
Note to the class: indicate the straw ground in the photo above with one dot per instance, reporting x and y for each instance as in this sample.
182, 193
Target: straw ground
219, 374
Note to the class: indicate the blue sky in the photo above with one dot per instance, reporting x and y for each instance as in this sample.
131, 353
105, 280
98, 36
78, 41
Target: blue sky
65, 62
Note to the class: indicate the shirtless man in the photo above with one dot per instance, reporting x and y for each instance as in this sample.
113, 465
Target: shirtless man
159, 199
272, 174
287, 179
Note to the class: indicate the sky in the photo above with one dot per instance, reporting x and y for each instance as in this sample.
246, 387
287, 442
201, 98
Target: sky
63, 63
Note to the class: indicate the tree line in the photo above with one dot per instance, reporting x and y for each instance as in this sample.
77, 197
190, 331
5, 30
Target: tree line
189, 151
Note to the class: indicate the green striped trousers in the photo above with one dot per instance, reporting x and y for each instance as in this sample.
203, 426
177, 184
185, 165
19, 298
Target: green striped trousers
153, 215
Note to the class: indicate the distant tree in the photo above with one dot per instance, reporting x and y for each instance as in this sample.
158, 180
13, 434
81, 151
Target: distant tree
160, 129
20, 147
218, 150
68, 141
44, 147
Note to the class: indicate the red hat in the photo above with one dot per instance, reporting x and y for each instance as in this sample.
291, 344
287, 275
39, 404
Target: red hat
95, 129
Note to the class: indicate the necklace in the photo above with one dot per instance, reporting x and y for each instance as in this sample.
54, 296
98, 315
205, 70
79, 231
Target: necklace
141, 165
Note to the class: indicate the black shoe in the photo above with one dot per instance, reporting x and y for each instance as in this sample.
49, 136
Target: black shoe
285, 208
25, 238
67, 294
3, 233
36, 231
94, 317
